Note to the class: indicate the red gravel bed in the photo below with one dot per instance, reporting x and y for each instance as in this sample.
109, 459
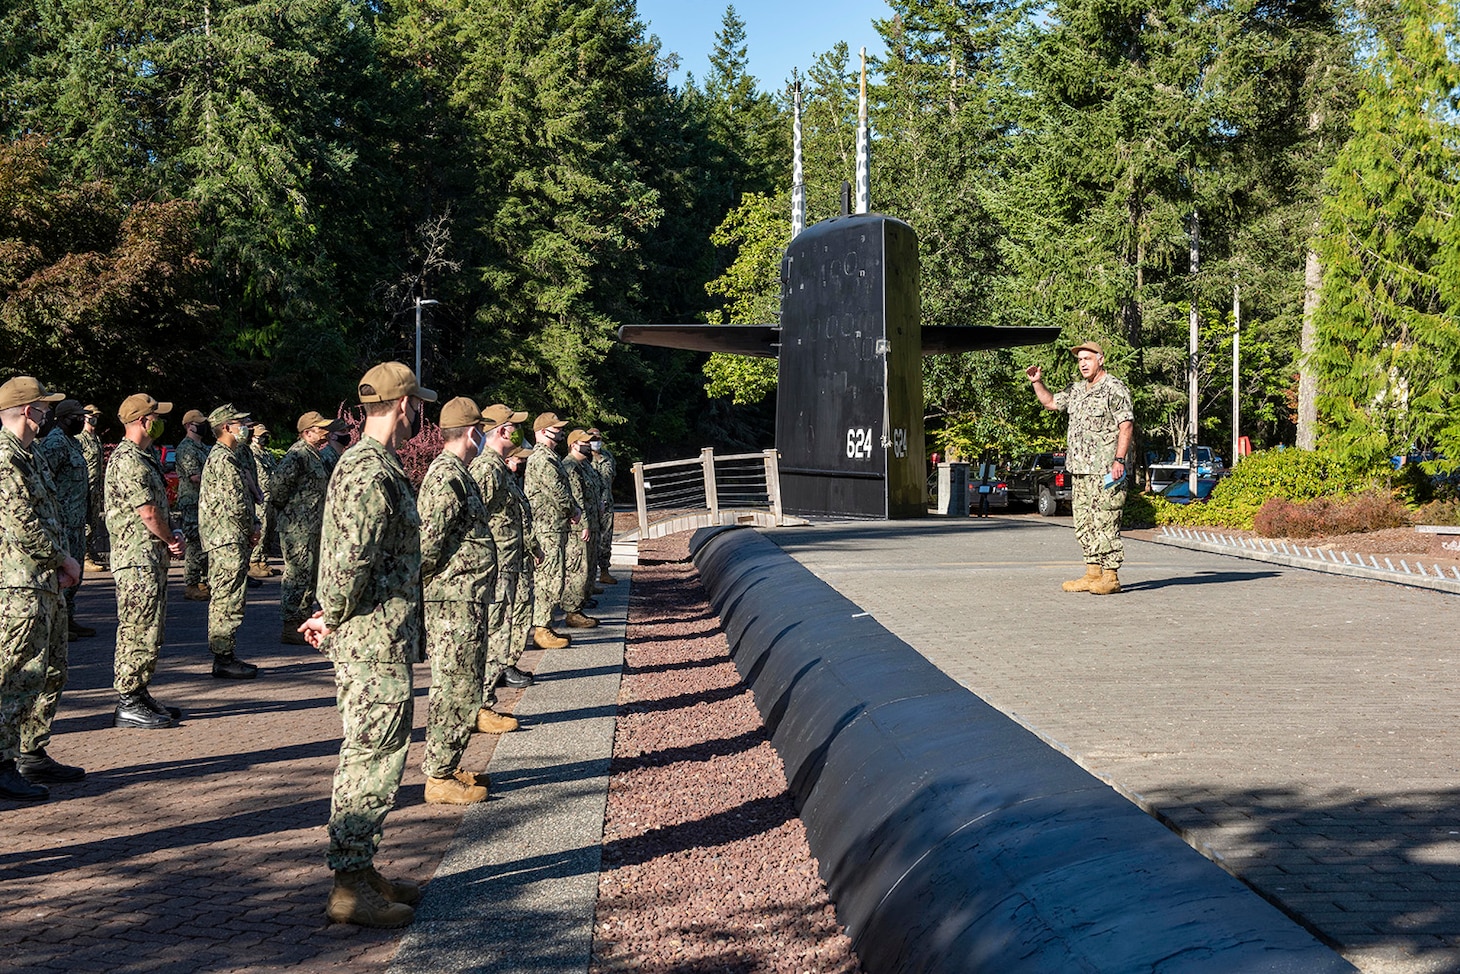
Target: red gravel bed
705, 862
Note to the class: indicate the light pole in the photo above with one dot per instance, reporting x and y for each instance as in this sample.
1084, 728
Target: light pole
419, 303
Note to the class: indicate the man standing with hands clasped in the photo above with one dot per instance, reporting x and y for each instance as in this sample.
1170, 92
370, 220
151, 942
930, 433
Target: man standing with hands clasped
369, 626
1102, 422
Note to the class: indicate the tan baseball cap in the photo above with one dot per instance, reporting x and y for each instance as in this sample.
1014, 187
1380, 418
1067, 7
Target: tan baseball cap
578, 436
460, 412
139, 404
318, 421
193, 416
1088, 347
517, 452
259, 429
392, 380
24, 390
69, 407
547, 421
498, 413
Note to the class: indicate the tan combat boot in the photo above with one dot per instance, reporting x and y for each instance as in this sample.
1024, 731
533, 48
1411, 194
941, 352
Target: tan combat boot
604, 578
577, 620
195, 593
1092, 574
545, 638
259, 569
401, 891
491, 722
460, 789
356, 900
1107, 584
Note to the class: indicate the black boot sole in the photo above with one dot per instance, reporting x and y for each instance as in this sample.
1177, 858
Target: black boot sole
49, 778
137, 725
11, 796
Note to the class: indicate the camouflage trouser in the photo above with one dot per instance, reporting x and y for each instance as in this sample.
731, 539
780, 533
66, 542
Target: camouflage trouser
301, 563
375, 701
547, 579
228, 580
32, 667
1097, 512
605, 537
578, 564
508, 621
268, 527
76, 548
141, 613
96, 537
456, 642
195, 565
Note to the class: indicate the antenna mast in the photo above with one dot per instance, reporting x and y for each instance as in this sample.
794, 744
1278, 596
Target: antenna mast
798, 186
864, 162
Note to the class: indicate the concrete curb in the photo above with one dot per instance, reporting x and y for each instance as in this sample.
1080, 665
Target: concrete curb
951, 838
515, 893
1311, 564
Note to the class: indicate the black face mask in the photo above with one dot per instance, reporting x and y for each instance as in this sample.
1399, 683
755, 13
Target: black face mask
416, 421
72, 425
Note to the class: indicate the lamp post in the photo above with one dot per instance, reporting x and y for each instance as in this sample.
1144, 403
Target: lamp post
419, 303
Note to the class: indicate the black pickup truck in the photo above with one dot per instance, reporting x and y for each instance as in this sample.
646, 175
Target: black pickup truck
1040, 479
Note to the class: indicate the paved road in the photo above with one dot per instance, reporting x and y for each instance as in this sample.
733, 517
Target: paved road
1299, 728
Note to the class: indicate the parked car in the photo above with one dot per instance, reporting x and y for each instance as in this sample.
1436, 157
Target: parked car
168, 457
998, 489
1171, 469
1180, 492
1040, 480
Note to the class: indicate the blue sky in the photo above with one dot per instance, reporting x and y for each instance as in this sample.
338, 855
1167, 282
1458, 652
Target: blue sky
780, 34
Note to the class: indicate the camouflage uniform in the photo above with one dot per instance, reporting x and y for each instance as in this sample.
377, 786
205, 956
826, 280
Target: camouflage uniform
139, 562
225, 522
265, 462
459, 576
552, 510
191, 456
67, 466
580, 562
510, 617
606, 467
32, 618
90, 445
1096, 412
370, 590
329, 455
297, 491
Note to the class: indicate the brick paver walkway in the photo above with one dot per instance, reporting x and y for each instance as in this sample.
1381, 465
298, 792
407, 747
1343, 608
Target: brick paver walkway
1300, 728
201, 848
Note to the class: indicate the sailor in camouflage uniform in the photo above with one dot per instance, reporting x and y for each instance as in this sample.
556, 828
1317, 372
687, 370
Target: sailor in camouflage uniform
554, 515
90, 444
521, 622
333, 449
264, 463
370, 626
142, 540
188, 462
296, 492
458, 577
1102, 424
511, 614
229, 529
35, 566
581, 561
66, 464
606, 468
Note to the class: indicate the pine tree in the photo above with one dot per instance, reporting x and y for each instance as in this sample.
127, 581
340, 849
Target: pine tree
1388, 343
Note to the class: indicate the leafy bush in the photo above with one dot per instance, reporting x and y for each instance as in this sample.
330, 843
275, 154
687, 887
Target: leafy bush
1291, 475
1439, 512
1140, 510
1372, 510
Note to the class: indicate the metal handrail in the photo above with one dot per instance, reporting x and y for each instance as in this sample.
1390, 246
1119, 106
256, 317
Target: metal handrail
710, 489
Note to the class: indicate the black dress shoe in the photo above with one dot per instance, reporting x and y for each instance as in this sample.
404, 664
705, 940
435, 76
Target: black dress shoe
590, 603
230, 667
17, 789
253, 582
41, 767
174, 712
513, 677
75, 630
132, 711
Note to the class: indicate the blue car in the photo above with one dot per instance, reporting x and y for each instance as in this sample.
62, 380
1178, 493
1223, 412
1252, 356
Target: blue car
1180, 492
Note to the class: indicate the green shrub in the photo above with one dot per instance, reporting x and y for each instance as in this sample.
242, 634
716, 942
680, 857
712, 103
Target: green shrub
1291, 475
1140, 510
1439, 512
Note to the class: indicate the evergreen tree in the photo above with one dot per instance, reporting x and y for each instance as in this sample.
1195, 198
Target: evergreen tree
1388, 347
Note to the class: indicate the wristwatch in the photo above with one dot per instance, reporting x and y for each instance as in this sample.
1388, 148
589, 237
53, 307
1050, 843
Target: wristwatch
1120, 460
